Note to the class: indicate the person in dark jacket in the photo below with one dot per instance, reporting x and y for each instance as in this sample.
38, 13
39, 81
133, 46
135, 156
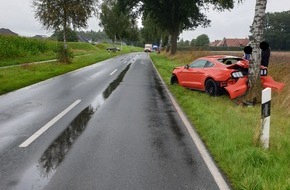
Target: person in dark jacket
265, 54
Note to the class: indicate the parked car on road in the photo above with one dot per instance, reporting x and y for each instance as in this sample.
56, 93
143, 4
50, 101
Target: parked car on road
220, 73
113, 49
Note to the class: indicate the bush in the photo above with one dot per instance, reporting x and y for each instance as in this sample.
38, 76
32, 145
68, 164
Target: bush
64, 55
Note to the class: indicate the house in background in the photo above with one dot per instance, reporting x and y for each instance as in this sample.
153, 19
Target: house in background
40, 37
84, 39
231, 42
4, 31
215, 43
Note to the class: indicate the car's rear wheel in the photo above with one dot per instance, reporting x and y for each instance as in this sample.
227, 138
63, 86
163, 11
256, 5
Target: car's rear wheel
211, 87
173, 80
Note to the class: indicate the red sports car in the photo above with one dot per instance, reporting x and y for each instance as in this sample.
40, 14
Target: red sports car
218, 73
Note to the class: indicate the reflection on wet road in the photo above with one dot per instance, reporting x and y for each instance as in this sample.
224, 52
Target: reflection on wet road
113, 85
57, 151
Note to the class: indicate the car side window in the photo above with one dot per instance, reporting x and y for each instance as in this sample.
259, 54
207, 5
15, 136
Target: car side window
198, 64
209, 64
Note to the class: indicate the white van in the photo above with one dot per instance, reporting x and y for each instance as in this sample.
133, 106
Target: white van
148, 48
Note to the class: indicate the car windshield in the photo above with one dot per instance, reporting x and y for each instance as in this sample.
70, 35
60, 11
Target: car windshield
229, 60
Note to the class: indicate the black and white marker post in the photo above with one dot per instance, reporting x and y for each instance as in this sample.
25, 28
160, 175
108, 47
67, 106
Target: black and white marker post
266, 112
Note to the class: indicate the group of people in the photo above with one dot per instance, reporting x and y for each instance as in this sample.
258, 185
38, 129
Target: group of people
265, 53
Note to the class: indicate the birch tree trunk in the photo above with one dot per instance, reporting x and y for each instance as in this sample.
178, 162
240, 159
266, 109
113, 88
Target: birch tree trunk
257, 30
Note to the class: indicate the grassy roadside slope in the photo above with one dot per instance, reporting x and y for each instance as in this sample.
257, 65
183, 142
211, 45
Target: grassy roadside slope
228, 131
16, 50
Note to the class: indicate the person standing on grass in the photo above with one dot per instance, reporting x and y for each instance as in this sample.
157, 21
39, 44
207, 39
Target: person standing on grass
247, 52
265, 54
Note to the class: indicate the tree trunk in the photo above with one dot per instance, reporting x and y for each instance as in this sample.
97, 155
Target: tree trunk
257, 30
64, 38
174, 36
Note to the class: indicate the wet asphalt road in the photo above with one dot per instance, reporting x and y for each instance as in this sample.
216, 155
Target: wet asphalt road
121, 133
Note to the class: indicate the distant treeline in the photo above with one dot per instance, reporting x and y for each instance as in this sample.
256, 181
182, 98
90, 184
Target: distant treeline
73, 36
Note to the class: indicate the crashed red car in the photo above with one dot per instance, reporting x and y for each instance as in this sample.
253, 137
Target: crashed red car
219, 73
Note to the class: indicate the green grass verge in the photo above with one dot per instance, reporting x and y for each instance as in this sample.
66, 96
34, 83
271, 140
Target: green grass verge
228, 131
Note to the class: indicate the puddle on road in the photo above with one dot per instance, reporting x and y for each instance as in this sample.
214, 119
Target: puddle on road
38, 176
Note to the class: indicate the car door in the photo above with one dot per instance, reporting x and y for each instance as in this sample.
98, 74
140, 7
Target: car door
194, 74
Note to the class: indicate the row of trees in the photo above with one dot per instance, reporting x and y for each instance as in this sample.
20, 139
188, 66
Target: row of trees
72, 35
201, 40
162, 20
172, 17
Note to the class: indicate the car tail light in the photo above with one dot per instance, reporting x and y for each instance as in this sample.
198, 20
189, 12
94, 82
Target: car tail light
237, 74
264, 72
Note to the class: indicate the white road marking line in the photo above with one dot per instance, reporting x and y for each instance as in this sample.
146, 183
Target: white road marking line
48, 125
113, 72
198, 142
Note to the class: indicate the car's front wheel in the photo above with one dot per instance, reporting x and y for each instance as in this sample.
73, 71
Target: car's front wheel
211, 87
173, 80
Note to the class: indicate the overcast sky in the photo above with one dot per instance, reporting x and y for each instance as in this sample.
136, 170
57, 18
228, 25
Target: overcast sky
18, 16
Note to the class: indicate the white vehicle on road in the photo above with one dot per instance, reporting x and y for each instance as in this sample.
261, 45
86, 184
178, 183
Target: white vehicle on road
148, 48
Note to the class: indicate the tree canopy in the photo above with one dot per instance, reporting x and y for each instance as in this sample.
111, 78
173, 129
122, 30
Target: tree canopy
202, 40
71, 35
59, 14
117, 24
277, 30
175, 16
62, 15
151, 32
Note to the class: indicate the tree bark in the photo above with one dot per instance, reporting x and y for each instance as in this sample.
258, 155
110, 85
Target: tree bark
64, 38
65, 30
257, 30
174, 37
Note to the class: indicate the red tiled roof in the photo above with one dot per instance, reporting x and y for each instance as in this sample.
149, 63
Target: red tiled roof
234, 42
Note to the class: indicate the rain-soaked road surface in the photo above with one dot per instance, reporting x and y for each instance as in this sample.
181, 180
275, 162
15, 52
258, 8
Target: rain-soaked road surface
107, 126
